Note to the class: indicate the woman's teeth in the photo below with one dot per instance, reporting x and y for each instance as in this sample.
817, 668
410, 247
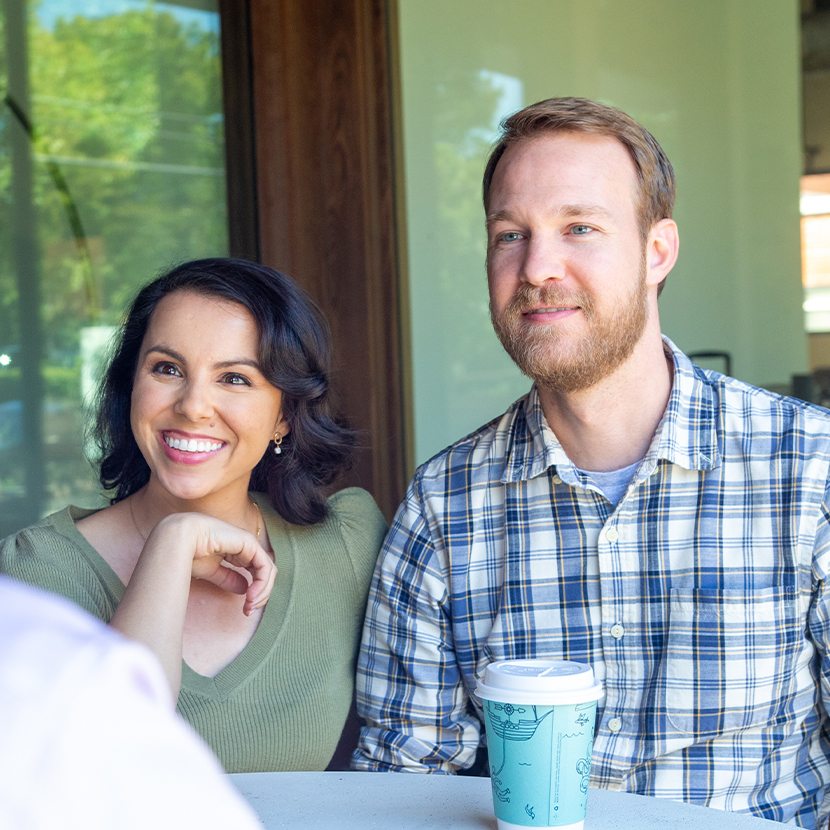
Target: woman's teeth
192, 445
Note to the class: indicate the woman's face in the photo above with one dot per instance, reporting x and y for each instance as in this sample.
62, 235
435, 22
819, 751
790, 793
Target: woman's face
201, 410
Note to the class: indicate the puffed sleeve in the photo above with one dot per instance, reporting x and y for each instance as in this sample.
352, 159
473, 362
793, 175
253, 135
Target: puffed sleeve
46, 555
362, 528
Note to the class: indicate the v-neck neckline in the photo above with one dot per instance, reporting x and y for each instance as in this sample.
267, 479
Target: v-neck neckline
270, 626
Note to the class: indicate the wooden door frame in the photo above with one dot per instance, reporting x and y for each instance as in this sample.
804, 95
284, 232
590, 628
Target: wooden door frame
311, 191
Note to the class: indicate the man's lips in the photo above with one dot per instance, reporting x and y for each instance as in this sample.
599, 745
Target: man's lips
550, 311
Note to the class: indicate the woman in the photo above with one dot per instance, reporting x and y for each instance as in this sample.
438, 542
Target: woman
220, 551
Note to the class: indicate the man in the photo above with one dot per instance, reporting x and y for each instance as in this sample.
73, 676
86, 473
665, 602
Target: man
667, 525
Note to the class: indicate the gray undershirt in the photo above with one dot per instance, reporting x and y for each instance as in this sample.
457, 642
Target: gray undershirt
613, 484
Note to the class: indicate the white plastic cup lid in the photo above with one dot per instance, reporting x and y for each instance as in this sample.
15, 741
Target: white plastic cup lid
539, 681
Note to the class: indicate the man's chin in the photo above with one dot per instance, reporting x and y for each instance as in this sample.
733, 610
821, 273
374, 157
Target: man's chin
564, 377
567, 365
550, 365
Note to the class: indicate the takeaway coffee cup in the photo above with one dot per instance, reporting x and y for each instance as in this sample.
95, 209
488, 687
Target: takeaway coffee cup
539, 716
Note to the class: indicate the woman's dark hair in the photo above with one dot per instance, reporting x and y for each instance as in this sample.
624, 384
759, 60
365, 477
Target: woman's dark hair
294, 355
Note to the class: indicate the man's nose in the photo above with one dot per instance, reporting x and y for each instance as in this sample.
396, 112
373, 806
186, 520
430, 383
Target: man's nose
545, 259
195, 402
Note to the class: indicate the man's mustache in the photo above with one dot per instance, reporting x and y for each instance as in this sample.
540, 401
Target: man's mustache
530, 296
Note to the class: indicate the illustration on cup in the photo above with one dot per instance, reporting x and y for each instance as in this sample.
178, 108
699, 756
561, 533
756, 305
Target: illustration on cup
522, 729
514, 723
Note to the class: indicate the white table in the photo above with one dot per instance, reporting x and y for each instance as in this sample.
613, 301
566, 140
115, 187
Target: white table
408, 801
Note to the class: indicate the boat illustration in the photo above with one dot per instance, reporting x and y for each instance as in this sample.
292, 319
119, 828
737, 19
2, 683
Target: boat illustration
522, 729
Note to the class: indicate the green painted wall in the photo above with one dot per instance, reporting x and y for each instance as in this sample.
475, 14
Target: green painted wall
716, 81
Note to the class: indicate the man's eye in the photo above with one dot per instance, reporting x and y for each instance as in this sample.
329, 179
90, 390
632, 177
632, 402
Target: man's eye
510, 236
580, 230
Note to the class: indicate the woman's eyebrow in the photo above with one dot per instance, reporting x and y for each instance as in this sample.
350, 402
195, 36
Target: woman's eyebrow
166, 350
223, 364
239, 361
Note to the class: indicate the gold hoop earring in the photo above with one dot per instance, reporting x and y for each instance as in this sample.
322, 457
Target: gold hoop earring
277, 443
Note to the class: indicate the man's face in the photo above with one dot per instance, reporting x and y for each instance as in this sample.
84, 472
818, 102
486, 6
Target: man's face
566, 262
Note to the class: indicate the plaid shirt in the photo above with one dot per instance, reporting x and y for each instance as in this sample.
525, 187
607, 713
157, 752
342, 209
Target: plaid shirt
699, 600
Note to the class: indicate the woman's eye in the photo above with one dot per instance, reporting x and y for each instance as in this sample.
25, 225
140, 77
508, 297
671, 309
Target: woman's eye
165, 368
236, 380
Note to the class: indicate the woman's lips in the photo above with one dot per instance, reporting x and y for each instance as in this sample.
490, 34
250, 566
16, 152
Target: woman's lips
192, 444
189, 449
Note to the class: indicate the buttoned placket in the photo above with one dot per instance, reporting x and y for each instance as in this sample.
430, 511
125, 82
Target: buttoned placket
619, 552
609, 546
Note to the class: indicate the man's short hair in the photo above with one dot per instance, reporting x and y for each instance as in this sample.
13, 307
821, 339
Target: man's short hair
581, 115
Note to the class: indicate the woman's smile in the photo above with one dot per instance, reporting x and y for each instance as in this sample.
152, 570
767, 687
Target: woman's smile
189, 449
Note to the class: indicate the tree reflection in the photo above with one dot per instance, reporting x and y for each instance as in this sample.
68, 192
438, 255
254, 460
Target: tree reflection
128, 176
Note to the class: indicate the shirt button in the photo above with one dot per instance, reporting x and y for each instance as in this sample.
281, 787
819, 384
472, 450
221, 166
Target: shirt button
617, 631
611, 534
557, 480
615, 724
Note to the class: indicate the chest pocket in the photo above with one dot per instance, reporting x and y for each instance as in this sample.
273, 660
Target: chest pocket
729, 658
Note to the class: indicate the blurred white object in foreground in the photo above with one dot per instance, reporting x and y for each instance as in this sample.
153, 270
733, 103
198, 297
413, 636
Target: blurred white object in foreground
88, 734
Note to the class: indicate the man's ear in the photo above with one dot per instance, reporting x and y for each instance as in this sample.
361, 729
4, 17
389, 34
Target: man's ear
662, 248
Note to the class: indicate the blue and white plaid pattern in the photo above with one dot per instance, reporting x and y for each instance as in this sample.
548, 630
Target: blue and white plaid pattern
711, 572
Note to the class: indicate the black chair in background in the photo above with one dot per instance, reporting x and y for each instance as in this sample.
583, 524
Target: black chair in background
725, 357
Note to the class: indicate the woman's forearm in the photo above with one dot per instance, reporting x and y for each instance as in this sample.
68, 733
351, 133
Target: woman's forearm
154, 605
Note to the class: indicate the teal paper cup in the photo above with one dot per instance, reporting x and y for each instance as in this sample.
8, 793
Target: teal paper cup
539, 716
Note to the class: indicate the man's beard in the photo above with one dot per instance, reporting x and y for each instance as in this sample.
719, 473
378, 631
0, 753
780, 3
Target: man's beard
548, 355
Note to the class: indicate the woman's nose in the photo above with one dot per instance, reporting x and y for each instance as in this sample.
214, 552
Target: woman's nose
195, 402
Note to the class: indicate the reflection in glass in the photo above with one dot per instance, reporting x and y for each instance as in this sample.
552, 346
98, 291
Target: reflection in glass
462, 116
815, 251
112, 133
705, 88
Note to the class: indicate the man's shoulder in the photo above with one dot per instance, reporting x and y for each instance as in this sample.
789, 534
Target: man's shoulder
485, 448
744, 424
773, 411
703, 396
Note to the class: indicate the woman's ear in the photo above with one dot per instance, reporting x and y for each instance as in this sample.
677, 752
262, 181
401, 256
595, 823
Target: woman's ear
282, 426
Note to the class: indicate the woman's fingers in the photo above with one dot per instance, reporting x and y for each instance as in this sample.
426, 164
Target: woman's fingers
228, 580
238, 548
215, 542
260, 589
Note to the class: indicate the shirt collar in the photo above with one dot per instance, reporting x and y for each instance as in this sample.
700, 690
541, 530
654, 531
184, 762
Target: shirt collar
686, 435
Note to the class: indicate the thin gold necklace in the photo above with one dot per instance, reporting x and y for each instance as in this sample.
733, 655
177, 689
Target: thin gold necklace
258, 528
135, 523
144, 538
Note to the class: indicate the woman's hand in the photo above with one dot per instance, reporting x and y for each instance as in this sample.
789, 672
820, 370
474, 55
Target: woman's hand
182, 547
213, 543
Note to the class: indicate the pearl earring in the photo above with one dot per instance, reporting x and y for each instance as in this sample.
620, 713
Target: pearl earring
277, 443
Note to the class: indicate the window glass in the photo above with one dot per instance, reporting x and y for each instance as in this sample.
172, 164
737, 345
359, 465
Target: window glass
718, 84
112, 170
815, 190
815, 251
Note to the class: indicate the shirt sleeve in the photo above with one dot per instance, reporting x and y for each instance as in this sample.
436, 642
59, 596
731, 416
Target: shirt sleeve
362, 528
46, 559
819, 614
818, 619
409, 686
